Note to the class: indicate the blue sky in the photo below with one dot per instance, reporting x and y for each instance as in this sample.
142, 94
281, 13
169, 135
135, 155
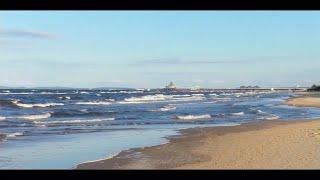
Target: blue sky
150, 48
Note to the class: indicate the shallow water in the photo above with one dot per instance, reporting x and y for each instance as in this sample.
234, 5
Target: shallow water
54, 129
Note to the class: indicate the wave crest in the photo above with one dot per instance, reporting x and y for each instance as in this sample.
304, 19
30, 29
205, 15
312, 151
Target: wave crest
161, 98
273, 117
238, 114
34, 116
74, 121
13, 135
93, 103
193, 117
36, 105
165, 108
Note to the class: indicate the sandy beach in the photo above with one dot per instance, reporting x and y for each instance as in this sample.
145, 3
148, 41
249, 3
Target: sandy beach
265, 145
304, 102
275, 144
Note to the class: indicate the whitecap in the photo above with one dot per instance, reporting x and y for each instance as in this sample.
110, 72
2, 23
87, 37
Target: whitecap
160, 98
261, 112
182, 95
165, 108
84, 110
36, 105
273, 117
22, 93
13, 135
41, 125
213, 94
2, 118
74, 121
194, 117
198, 94
34, 116
238, 114
51, 93
93, 103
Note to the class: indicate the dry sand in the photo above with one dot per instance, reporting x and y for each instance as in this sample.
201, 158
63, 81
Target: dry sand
304, 101
276, 144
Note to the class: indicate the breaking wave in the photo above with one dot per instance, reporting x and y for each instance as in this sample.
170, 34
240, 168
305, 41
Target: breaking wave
261, 112
273, 117
73, 113
13, 135
21, 93
93, 103
161, 98
165, 108
36, 105
51, 93
238, 114
119, 92
34, 116
144, 99
194, 117
74, 121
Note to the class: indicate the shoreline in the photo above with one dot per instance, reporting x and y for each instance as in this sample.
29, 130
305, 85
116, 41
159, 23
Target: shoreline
303, 102
210, 147
181, 150
168, 138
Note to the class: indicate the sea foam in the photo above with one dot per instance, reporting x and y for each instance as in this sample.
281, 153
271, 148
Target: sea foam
161, 98
165, 108
34, 116
238, 114
194, 117
13, 135
273, 117
74, 121
36, 105
93, 103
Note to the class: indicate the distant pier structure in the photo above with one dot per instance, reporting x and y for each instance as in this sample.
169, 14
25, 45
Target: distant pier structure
171, 86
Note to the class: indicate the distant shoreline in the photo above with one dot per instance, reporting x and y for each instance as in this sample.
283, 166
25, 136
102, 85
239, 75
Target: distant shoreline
164, 88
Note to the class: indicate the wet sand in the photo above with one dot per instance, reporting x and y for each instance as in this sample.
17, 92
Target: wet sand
260, 145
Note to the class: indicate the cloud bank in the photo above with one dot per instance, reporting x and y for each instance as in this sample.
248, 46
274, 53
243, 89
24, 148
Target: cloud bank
13, 33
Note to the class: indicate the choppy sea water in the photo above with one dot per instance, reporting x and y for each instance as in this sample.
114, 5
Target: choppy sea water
58, 129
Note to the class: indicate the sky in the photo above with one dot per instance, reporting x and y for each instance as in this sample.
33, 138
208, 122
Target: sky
148, 49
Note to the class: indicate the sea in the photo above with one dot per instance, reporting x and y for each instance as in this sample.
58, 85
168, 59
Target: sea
61, 128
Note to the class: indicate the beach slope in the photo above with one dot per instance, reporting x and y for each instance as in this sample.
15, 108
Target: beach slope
262, 145
304, 102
